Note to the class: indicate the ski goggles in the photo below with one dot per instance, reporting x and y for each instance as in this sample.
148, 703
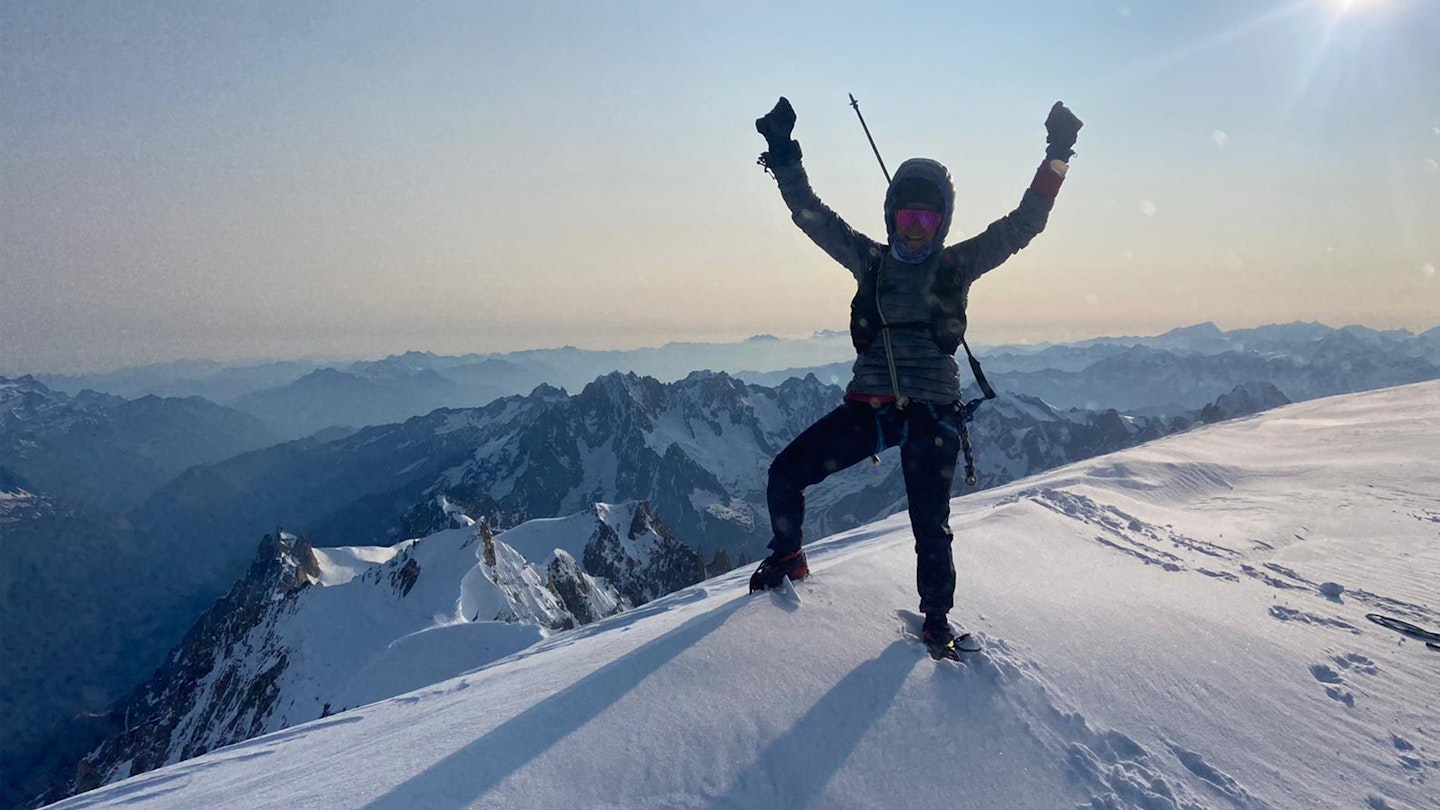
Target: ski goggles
907, 218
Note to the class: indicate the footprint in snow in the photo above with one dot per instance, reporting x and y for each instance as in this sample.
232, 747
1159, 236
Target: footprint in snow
1354, 662
1410, 758
1331, 677
1341, 696
1289, 614
1332, 680
1117, 770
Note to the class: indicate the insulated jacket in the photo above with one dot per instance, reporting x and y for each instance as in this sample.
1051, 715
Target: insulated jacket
910, 297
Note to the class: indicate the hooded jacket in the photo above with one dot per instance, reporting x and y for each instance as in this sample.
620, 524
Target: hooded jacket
894, 292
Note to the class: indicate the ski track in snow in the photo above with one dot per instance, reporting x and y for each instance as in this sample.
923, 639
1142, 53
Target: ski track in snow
1128, 534
1167, 549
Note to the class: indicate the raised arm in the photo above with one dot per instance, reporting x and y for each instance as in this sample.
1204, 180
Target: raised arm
844, 244
1006, 236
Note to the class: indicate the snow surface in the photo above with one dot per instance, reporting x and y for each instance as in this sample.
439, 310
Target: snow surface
340, 565
1162, 629
538, 539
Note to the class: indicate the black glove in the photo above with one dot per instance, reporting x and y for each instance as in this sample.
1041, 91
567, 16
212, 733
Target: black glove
776, 126
1061, 127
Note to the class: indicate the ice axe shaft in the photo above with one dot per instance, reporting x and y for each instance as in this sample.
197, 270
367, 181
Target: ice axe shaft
855, 104
874, 457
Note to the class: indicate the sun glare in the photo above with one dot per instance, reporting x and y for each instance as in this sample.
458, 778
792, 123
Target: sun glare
1355, 6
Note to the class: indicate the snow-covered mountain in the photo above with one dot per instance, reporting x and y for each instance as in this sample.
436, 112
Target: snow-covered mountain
312, 631
26, 404
1243, 401
697, 450
111, 452
1178, 625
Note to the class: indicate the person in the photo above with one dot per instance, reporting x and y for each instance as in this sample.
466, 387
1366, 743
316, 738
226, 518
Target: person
906, 321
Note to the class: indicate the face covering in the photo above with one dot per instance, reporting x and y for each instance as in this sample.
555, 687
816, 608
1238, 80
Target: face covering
908, 256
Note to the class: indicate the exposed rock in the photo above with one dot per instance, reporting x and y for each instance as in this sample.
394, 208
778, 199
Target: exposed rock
1243, 400
644, 562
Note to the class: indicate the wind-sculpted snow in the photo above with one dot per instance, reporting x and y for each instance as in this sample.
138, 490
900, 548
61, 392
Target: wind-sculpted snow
1146, 646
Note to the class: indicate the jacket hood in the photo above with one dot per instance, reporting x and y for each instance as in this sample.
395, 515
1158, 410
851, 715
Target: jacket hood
933, 172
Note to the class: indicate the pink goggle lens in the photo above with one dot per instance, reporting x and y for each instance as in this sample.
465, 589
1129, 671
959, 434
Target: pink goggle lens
907, 218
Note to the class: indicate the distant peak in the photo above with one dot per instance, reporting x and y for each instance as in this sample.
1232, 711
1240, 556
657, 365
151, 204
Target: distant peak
621, 388
1206, 329
26, 381
706, 374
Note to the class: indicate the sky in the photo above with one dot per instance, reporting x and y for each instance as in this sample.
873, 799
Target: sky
282, 179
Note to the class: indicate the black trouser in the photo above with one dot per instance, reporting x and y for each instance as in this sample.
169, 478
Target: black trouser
929, 439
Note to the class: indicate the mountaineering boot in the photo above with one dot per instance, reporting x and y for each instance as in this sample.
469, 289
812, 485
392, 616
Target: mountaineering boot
774, 569
941, 641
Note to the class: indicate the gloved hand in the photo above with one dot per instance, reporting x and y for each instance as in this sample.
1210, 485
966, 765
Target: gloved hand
776, 126
1061, 127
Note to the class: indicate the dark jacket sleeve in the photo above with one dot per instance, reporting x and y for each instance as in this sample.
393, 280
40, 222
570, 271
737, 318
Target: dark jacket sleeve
980, 254
854, 250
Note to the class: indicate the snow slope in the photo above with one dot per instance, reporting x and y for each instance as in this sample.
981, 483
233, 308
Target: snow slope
1178, 625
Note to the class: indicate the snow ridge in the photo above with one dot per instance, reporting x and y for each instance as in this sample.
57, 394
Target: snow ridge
309, 632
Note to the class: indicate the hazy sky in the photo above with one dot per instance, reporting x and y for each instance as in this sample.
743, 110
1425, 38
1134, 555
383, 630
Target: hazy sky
265, 179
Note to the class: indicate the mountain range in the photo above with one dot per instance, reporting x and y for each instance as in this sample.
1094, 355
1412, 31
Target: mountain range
1220, 618
1163, 375
1184, 369
139, 514
112, 452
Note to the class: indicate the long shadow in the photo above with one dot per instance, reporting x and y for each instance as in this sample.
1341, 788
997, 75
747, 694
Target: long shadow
797, 766
469, 773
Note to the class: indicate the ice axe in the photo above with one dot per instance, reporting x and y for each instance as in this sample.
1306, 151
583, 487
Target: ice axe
856, 105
